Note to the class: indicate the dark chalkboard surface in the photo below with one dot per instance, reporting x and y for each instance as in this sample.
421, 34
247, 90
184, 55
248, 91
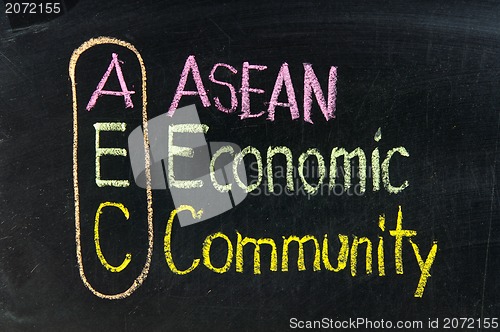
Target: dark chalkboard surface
420, 79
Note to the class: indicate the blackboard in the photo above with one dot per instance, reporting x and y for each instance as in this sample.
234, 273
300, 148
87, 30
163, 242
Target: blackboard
420, 79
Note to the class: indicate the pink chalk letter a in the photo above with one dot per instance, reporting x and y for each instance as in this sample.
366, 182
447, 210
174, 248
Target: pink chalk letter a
115, 63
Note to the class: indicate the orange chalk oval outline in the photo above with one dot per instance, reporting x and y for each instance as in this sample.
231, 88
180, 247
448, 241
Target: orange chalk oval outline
72, 68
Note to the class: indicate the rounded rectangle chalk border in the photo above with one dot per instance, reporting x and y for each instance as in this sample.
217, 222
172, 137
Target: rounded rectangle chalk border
72, 69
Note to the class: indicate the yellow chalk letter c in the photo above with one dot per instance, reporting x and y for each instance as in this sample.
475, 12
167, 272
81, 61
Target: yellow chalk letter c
102, 259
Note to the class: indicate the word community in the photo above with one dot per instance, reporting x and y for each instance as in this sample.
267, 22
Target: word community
348, 251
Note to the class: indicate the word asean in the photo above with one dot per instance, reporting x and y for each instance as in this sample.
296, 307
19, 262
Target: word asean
153, 173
